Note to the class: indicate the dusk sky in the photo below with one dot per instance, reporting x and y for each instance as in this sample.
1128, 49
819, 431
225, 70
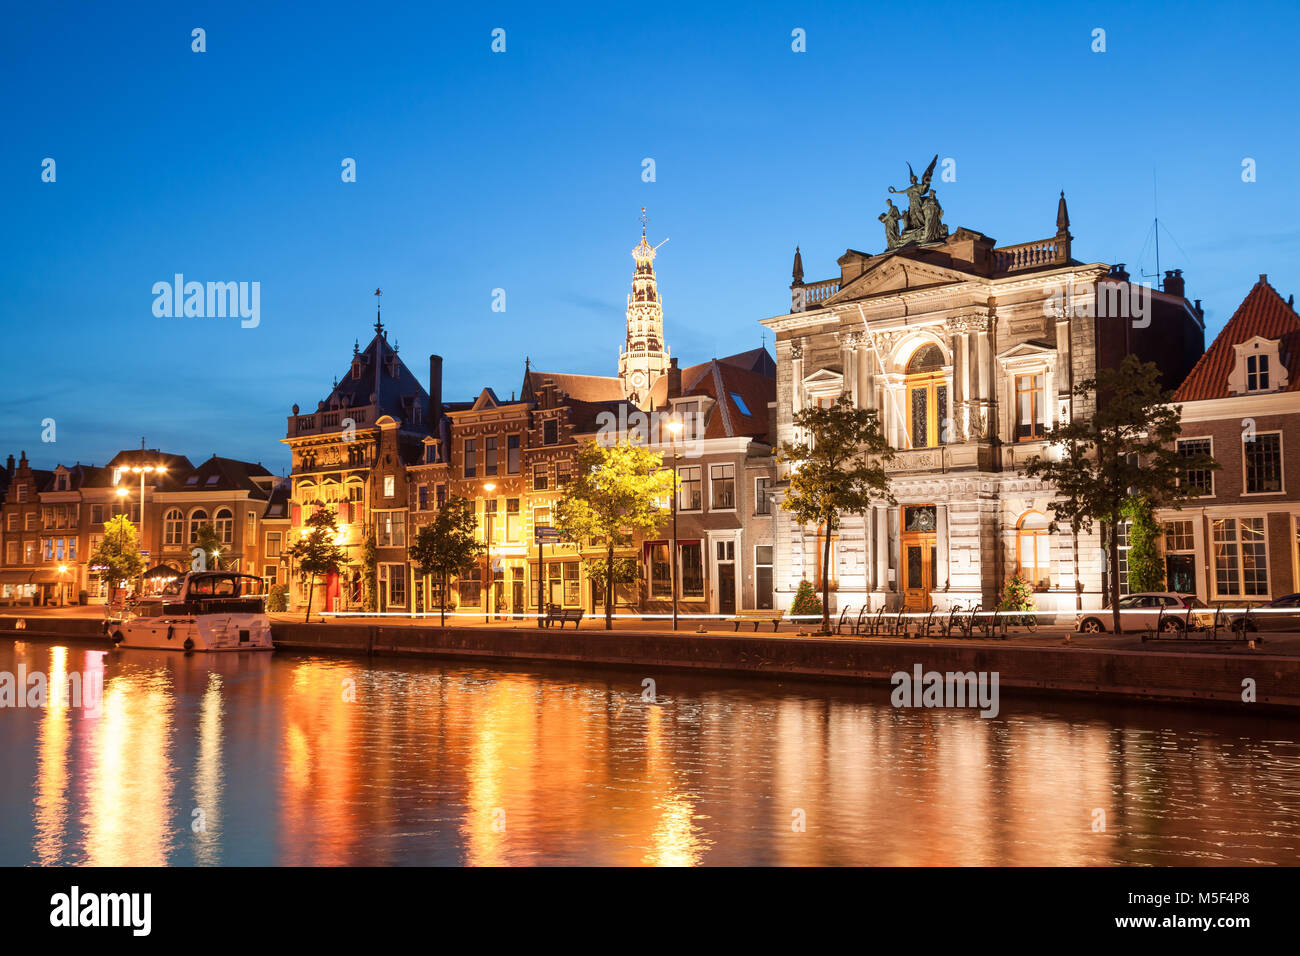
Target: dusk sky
523, 171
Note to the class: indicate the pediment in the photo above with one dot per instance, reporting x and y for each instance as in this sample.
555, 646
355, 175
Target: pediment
897, 273
1026, 350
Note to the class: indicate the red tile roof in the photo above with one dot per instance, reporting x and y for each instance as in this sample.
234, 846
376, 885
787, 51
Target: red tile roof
1264, 313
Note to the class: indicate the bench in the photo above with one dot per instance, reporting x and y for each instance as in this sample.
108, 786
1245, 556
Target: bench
561, 615
757, 618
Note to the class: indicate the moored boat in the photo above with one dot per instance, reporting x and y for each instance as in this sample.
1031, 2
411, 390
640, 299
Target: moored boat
201, 611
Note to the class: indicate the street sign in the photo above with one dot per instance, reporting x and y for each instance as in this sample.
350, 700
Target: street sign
544, 532
497, 564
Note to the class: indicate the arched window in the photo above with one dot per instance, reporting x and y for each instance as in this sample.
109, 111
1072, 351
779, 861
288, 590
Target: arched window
225, 525
927, 397
197, 517
1034, 550
174, 527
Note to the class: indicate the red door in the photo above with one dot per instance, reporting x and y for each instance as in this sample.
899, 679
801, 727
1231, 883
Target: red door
331, 591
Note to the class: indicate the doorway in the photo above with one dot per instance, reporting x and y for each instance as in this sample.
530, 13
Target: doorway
918, 547
725, 552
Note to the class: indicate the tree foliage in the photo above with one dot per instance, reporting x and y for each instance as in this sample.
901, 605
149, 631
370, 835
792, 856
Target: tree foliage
619, 491
837, 468
447, 546
209, 544
317, 552
1146, 570
117, 557
806, 602
1127, 448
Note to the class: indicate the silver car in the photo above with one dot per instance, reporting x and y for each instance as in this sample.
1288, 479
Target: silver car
1141, 612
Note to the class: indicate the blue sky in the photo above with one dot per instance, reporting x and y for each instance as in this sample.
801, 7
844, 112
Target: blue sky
522, 171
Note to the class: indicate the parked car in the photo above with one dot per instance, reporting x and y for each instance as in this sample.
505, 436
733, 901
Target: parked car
1139, 612
1279, 614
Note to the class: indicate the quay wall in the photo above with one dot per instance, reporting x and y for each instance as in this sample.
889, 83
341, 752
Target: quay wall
1191, 676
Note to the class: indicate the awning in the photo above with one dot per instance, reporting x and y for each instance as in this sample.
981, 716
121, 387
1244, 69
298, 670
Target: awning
33, 576
162, 571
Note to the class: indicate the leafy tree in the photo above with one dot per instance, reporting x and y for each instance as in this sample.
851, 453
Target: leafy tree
118, 556
1145, 569
837, 468
370, 572
1126, 449
619, 490
316, 551
447, 545
209, 543
806, 602
277, 599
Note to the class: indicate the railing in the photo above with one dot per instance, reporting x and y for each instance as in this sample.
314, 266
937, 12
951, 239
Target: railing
1030, 255
815, 293
328, 420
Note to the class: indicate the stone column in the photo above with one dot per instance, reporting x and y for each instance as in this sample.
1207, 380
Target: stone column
796, 375
880, 516
941, 547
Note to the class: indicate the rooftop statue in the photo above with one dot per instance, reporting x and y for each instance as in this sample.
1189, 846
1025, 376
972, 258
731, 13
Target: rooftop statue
922, 222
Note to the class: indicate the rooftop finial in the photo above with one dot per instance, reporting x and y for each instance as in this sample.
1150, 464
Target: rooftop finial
379, 322
798, 267
643, 219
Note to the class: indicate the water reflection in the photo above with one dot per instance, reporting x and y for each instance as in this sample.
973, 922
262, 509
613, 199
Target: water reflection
290, 759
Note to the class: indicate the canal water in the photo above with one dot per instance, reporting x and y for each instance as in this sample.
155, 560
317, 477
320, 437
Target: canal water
298, 759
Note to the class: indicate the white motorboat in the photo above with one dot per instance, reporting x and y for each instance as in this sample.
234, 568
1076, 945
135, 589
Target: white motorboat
201, 611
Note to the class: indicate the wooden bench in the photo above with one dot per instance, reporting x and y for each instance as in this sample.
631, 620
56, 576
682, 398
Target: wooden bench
757, 618
555, 614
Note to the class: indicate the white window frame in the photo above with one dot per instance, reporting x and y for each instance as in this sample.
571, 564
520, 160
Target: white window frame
1281, 465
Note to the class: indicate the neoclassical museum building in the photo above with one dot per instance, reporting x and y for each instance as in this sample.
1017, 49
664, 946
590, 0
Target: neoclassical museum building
969, 351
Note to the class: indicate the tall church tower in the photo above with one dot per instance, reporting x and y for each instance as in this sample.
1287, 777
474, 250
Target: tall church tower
644, 357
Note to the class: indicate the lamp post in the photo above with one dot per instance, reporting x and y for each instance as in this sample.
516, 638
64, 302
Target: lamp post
488, 599
63, 569
675, 427
143, 470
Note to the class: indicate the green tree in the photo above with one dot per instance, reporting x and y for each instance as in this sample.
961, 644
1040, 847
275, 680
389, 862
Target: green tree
207, 541
316, 552
836, 468
1145, 569
448, 545
1126, 449
619, 491
370, 572
117, 557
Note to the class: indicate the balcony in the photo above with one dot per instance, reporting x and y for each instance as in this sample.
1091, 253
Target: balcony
323, 422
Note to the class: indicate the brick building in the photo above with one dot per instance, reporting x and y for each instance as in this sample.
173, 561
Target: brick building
1241, 404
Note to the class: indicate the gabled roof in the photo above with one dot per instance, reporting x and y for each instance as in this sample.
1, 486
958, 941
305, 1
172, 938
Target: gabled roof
1264, 314
277, 504
741, 398
585, 388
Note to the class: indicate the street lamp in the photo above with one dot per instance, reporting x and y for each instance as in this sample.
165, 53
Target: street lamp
488, 599
63, 569
674, 426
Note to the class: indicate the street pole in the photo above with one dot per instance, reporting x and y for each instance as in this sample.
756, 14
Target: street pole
541, 579
488, 601
674, 428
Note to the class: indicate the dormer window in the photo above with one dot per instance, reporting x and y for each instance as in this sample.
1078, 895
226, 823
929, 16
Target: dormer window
1259, 367
356, 367
1257, 373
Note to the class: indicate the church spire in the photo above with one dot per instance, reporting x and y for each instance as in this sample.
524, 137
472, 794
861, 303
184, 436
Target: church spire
644, 357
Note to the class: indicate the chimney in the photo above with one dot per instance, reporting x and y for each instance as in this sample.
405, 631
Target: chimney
1117, 271
1174, 282
435, 391
674, 379
9, 468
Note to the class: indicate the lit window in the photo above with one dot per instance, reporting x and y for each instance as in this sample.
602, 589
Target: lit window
1263, 463
1034, 550
390, 486
1029, 407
